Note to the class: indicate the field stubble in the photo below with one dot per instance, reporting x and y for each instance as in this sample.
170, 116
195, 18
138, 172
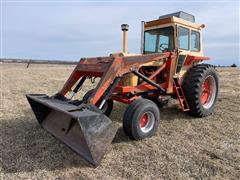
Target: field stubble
183, 148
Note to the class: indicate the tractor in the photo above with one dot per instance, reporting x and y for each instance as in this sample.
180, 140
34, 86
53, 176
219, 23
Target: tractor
170, 66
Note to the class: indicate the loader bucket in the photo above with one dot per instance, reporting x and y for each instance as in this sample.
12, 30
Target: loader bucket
83, 128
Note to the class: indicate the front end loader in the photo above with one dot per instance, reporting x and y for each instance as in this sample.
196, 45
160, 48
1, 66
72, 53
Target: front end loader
169, 66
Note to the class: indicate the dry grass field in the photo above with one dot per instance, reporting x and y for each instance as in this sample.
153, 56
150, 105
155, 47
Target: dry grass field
183, 148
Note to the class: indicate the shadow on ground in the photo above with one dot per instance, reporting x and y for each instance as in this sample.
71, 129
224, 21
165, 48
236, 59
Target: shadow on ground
28, 147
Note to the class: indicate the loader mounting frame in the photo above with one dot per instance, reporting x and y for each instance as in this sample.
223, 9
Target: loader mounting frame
110, 68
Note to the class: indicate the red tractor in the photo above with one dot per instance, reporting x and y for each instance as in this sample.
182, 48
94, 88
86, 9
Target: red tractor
169, 66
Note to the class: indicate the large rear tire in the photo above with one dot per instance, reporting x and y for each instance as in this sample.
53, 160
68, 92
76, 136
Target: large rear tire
107, 107
200, 87
141, 119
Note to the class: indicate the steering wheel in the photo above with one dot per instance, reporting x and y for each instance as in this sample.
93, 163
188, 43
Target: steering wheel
162, 48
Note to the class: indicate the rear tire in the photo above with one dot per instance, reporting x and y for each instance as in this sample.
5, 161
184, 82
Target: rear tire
200, 87
106, 109
141, 119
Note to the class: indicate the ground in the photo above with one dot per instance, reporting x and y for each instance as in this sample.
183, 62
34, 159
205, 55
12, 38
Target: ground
183, 148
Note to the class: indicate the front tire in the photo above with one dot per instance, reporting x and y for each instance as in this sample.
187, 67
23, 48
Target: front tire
141, 119
159, 102
107, 107
200, 87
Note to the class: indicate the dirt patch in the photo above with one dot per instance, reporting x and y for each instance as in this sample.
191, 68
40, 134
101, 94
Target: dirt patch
183, 148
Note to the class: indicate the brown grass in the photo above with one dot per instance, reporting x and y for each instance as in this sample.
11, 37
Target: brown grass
183, 148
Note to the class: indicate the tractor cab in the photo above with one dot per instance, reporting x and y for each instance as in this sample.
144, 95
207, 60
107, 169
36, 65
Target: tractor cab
176, 31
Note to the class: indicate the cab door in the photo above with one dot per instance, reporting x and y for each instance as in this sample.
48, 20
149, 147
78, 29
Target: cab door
189, 43
183, 40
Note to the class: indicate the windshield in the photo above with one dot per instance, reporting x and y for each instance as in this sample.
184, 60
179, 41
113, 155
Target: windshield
158, 40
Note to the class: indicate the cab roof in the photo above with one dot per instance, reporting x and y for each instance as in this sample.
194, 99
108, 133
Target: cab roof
180, 18
180, 14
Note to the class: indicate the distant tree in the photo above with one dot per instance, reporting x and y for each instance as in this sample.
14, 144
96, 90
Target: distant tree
233, 65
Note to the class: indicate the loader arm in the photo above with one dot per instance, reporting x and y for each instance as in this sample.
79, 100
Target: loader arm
109, 68
83, 127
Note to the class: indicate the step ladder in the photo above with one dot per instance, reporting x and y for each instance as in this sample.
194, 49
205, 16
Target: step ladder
180, 95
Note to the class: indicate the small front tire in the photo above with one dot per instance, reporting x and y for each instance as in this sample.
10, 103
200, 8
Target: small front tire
160, 102
141, 119
107, 107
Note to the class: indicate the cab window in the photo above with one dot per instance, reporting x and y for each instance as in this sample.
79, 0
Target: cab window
195, 41
183, 38
150, 42
158, 40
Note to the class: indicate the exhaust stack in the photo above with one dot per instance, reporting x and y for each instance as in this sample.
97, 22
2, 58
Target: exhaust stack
124, 29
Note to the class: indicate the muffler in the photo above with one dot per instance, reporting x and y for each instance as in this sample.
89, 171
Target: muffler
83, 128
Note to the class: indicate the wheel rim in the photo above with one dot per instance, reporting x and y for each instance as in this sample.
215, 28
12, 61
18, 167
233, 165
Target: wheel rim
104, 108
208, 92
147, 122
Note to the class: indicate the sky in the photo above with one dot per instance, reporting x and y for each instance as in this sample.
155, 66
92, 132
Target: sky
69, 30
